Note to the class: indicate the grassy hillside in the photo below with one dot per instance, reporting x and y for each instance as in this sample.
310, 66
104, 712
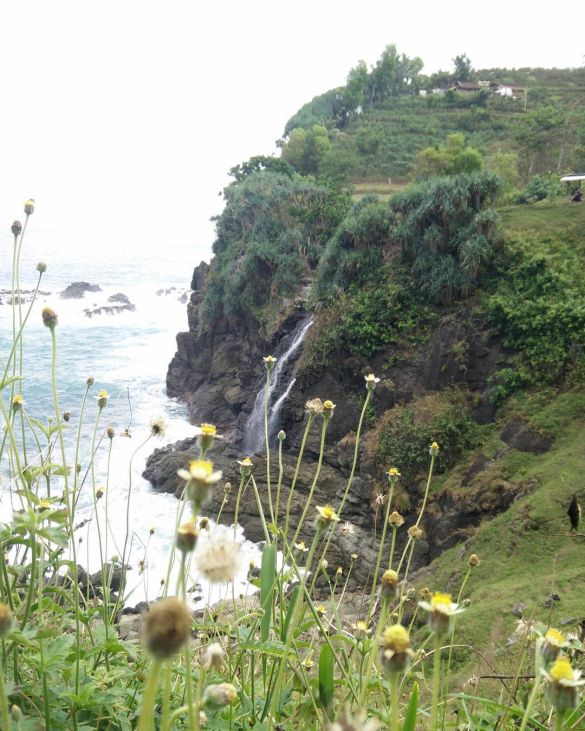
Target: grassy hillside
543, 125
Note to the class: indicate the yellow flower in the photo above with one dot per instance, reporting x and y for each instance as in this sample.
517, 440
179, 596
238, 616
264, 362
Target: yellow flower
327, 515
102, 398
554, 637
328, 405
474, 560
206, 434
561, 670
269, 361
563, 684
17, 402
199, 478
339, 571
301, 547
441, 609
434, 449
393, 472
395, 652
321, 610
361, 627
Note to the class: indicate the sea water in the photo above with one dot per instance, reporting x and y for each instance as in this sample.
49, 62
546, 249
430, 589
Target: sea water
127, 354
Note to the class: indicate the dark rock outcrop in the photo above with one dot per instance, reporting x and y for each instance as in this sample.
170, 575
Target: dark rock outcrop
77, 290
218, 371
519, 434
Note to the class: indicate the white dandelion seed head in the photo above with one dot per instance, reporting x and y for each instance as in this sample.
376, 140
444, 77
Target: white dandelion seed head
218, 554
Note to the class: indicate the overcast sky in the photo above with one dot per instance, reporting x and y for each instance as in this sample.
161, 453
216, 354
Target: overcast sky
128, 113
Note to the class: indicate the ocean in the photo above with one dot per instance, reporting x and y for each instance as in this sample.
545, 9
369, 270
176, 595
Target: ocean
127, 354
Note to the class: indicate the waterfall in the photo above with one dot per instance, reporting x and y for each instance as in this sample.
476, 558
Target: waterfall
278, 391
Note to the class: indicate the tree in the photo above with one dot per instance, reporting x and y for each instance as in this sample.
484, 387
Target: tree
463, 69
452, 158
257, 164
447, 232
306, 148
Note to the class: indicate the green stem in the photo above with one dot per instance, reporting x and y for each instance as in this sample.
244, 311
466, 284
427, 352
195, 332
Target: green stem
314, 483
380, 552
147, 713
260, 510
531, 699
394, 677
436, 684
296, 474
4, 703
267, 441
559, 720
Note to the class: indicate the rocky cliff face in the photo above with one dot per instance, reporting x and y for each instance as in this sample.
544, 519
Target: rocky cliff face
218, 373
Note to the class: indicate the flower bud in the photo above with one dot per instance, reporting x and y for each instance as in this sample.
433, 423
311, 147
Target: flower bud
5, 620
396, 520
473, 560
219, 695
66, 416
99, 493
434, 449
187, 536
49, 317
102, 398
29, 206
388, 584
371, 381
110, 432
213, 657
41, 267
16, 713
167, 627
281, 435
90, 380
16, 228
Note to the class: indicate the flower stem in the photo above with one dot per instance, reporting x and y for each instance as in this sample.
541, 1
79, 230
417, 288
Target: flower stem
436, 684
394, 701
147, 714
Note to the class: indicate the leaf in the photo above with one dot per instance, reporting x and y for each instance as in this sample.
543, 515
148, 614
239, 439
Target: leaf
411, 711
326, 664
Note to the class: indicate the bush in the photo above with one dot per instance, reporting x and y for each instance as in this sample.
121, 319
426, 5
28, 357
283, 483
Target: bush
404, 433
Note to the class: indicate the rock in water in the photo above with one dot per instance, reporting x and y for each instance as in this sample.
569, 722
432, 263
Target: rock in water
77, 290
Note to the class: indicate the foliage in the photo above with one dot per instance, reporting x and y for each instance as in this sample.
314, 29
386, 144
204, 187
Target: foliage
354, 254
447, 232
383, 134
306, 148
540, 187
462, 67
404, 434
65, 667
452, 158
505, 166
367, 320
259, 163
269, 235
539, 309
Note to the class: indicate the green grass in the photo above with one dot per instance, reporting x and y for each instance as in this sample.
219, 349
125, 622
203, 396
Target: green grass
527, 552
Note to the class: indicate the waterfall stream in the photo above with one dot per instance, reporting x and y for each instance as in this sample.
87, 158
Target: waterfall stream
278, 391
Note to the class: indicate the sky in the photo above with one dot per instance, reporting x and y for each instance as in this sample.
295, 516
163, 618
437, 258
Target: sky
125, 115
